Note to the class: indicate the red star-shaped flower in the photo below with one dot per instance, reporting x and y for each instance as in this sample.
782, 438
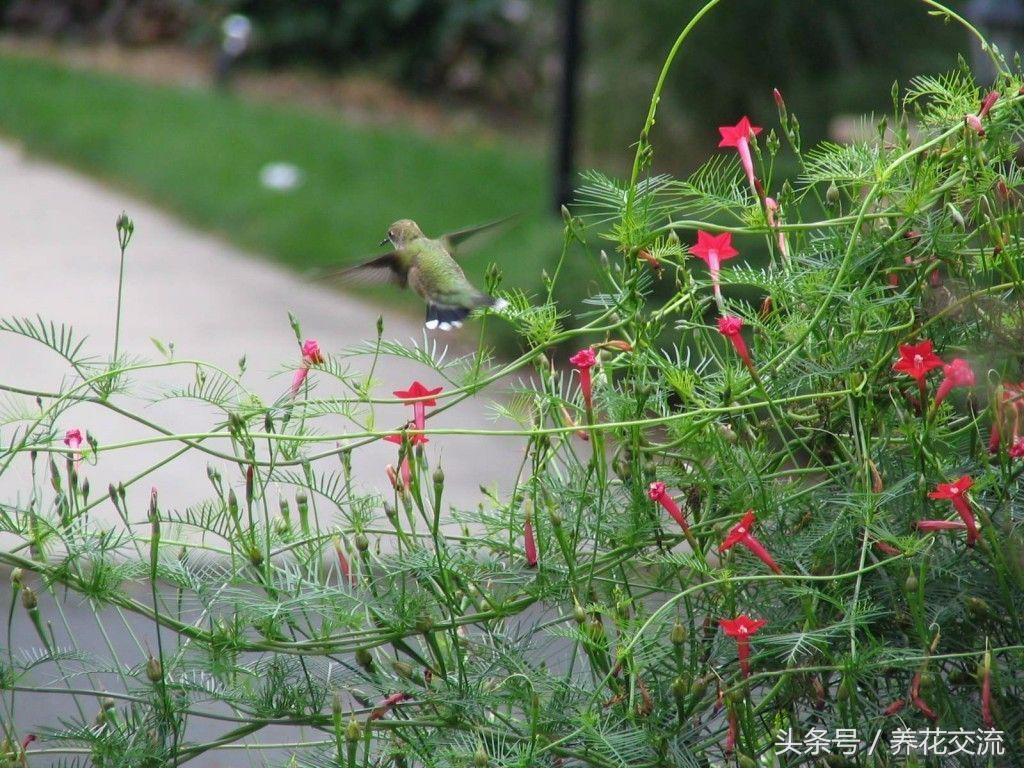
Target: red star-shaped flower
739, 532
419, 397
916, 360
733, 135
417, 392
957, 494
585, 358
742, 533
741, 626
713, 250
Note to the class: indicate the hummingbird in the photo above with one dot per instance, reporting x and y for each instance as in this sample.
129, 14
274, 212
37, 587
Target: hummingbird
428, 266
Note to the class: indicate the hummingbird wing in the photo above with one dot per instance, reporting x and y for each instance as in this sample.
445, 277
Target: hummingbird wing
453, 240
386, 268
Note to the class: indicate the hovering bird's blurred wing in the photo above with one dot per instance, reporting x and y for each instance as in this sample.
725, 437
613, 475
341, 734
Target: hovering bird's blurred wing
379, 269
453, 240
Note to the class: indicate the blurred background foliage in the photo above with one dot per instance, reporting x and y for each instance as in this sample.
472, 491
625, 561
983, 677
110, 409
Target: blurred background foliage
494, 64
833, 57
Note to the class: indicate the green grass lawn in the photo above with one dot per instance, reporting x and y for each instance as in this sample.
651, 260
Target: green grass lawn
198, 153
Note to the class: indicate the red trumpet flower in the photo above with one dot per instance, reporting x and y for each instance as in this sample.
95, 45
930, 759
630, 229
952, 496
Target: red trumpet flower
957, 373
713, 250
742, 628
659, 493
741, 534
419, 397
957, 494
584, 360
731, 327
311, 356
739, 136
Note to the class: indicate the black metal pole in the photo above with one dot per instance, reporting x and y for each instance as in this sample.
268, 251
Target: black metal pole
565, 111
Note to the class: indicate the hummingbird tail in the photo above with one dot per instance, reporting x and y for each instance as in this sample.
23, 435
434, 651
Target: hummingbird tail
445, 317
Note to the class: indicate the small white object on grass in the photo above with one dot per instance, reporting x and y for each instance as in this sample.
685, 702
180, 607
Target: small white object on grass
280, 177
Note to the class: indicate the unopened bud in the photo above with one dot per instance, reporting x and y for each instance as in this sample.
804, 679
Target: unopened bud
154, 670
353, 731
362, 543
832, 194
29, 599
679, 634
364, 659
16, 576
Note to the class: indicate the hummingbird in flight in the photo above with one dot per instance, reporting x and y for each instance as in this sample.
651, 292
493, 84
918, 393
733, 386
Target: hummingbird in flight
428, 266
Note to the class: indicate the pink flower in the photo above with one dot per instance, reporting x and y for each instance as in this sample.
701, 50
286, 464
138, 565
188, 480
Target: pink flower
584, 360
419, 397
731, 326
73, 439
957, 494
958, 373
1017, 448
310, 356
974, 123
529, 542
713, 250
741, 534
311, 352
742, 628
659, 493
739, 136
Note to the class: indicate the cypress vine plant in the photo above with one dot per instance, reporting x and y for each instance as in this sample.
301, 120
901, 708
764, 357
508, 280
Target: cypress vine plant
768, 513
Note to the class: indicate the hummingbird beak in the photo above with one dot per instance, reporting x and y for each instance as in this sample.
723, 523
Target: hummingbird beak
385, 241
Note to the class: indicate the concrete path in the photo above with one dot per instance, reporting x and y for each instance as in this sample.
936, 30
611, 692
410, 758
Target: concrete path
58, 259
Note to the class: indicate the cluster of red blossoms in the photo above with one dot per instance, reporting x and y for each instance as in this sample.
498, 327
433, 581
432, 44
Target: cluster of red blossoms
917, 360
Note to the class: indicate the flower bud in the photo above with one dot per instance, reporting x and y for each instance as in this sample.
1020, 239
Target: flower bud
353, 731
832, 194
402, 669
29, 599
362, 543
336, 707
17, 575
154, 670
910, 585
679, 634
364, 659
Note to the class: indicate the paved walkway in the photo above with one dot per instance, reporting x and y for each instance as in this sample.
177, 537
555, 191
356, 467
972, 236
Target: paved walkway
58, 259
